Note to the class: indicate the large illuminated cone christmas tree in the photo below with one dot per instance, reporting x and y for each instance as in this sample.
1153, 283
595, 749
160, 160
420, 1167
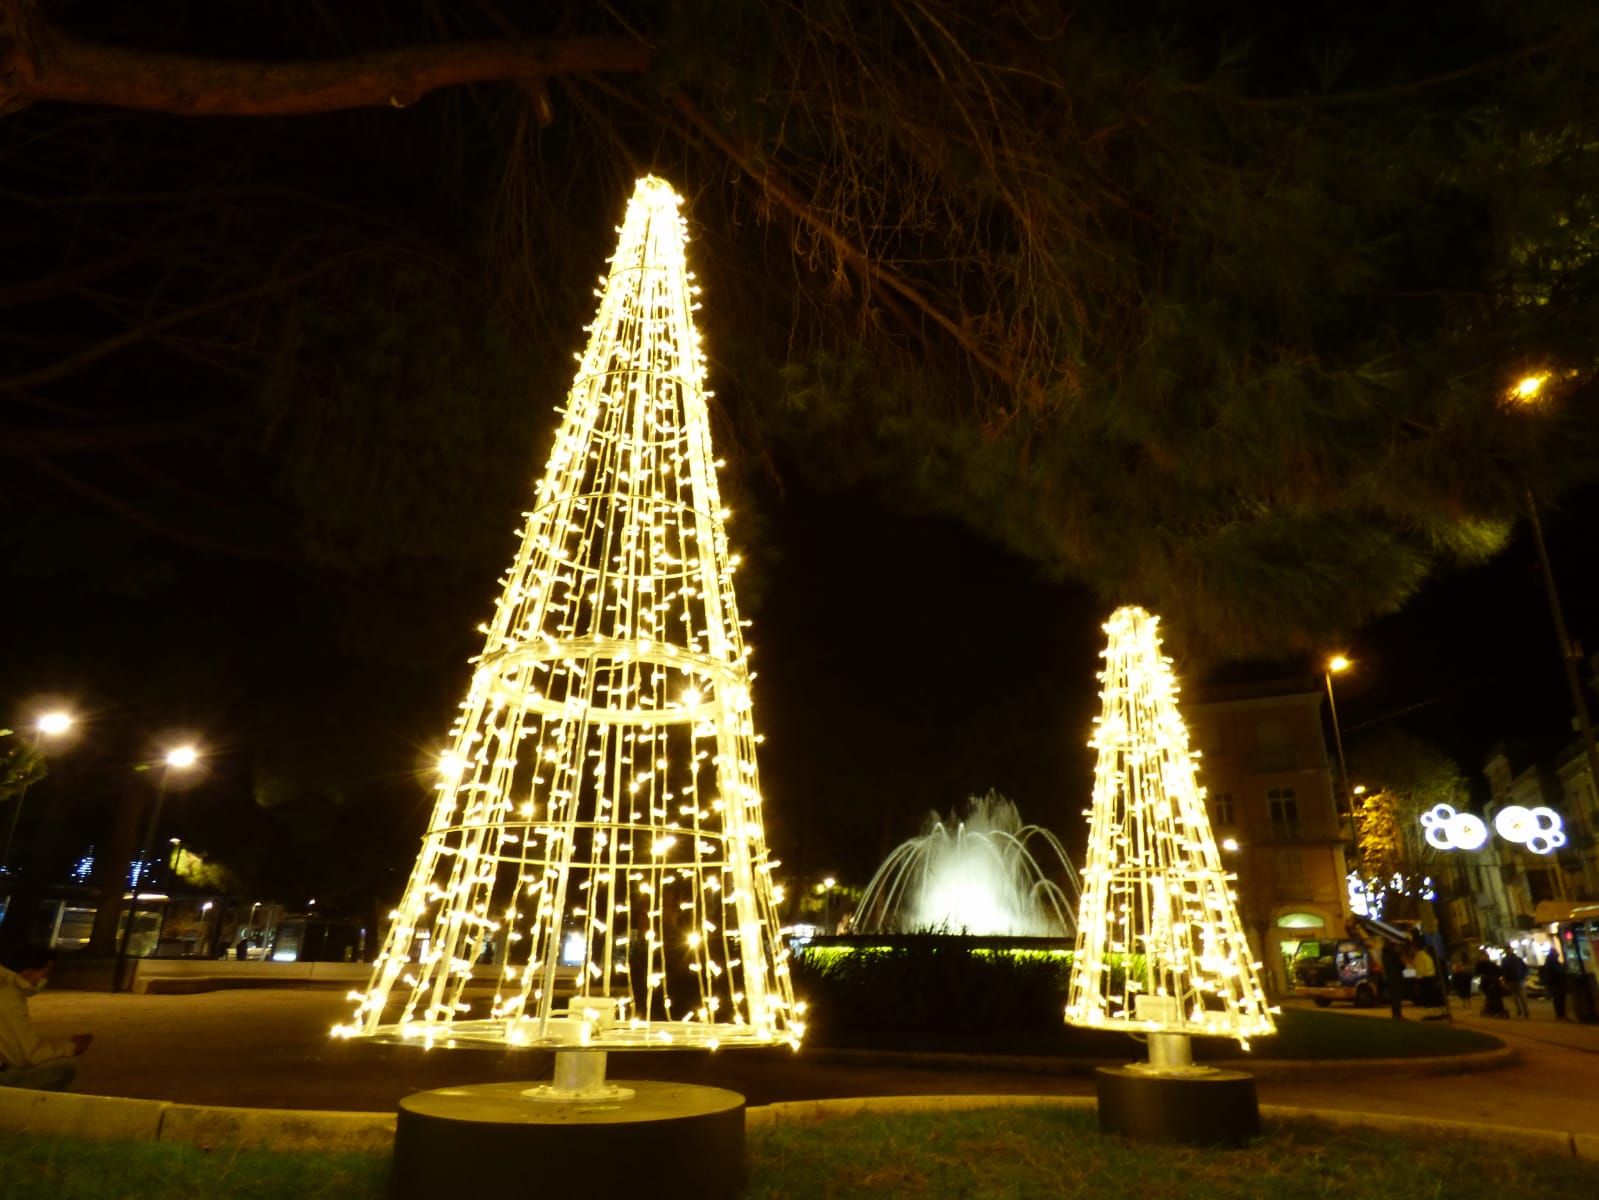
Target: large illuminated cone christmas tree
596, 872
1159, 944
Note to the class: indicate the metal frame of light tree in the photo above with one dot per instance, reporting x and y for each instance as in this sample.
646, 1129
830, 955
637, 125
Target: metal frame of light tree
600, 794
1160, 949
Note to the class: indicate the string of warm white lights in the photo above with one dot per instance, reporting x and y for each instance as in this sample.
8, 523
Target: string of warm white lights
595, 872
1159, 944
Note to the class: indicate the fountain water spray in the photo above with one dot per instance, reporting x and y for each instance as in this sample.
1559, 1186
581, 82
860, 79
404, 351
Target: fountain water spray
973, 875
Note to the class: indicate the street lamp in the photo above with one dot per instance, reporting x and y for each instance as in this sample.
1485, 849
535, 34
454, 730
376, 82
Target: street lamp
1336, 665
1527, 392
828, 885
50, 724
179, 758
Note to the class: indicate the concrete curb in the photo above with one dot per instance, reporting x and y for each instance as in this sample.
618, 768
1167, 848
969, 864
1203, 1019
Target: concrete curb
1269, 1070
115, 1118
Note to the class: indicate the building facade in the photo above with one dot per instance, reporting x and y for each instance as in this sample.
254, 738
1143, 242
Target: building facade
1269, 786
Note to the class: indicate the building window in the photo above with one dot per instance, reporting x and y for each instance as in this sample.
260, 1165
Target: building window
1290, 874
1221, 809
1284, 808
1540, 884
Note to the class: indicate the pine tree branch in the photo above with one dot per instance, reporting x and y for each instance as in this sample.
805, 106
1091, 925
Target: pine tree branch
139, 517
39, 61
776, 189
1414, 86
91, 354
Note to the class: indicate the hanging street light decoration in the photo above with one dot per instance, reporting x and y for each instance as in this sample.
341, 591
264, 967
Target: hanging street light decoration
1160, 949
1447, 829
1539, 829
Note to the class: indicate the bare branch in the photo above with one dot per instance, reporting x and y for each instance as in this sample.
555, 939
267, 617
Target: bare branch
41, 62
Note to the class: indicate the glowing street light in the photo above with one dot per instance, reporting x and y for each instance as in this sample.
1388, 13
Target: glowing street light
1526, 389
1337, 665
50, 724
178, 758
1526, 392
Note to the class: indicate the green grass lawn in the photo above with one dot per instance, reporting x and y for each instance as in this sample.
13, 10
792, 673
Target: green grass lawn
1302, 1033
60, 1168
1010, 1152
1059, 1153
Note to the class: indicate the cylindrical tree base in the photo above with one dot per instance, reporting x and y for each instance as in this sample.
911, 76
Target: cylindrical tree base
669, 1140
1211, 1108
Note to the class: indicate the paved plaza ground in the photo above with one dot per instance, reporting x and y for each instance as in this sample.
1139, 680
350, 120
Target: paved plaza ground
270, 1048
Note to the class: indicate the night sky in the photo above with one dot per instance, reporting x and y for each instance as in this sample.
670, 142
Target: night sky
173, 587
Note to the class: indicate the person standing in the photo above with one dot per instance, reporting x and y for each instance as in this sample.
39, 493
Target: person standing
1429, 989
1393, 978
1492, 981
1514, 969
26, 1059
1553, 977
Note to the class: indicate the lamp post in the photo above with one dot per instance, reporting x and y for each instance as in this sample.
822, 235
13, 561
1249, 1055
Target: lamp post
179, 758
1527, 392
48, 725
828, 885
1336, 665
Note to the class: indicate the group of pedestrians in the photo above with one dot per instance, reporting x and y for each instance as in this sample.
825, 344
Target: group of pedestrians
1498, 981
1507, 979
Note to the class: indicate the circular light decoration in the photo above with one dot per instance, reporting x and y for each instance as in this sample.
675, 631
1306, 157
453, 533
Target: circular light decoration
1539, 829
1447, 829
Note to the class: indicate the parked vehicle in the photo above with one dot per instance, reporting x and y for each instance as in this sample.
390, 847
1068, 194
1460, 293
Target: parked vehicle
317, 939
1328, 971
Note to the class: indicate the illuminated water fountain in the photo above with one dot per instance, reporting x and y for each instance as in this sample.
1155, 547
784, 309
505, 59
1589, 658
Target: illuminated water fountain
974, 876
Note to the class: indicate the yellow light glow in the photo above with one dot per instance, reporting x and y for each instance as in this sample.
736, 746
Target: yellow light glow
1359, 789
182, 756
1157, 917
1338, 663
1528, 387
598, 819
54, 723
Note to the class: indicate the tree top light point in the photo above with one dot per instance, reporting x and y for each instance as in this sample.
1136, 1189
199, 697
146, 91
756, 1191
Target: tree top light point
1528, 387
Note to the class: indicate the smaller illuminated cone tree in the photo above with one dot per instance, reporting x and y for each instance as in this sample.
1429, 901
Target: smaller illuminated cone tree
596, 873
1159, 944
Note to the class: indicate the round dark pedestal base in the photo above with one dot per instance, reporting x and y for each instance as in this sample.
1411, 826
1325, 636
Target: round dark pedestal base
670, 1140
1215, 1108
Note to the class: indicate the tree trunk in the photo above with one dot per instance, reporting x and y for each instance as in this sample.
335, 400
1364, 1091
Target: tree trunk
40, 62
114, 865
